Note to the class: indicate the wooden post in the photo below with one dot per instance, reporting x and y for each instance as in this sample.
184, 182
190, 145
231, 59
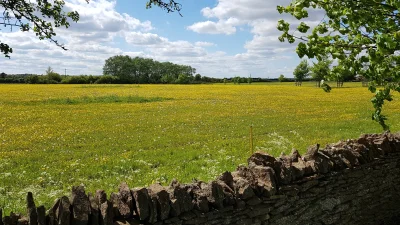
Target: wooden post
251, 140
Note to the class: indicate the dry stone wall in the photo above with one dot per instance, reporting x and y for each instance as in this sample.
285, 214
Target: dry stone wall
350, 182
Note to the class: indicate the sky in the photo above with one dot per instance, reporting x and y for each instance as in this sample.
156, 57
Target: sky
220, 38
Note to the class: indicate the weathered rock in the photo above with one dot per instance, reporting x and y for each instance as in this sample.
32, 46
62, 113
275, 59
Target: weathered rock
227, 178
105, 208
127, 222
216, 195
261, 159
382, 143
201, 203
1, 216
243, 189
295, 155
298, 169
115, 200
162, 197
52, 217
265, 180
31, 209
312, 152
181, 201
283, 172
126, 205
12, 219
23, 221
101, 196
142, 201
7, 220
41, 215
323, 163
153, 210
94, 214
229, 193
80, 206
63, 213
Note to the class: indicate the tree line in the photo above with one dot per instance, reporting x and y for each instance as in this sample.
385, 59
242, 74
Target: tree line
140, 70
320, 71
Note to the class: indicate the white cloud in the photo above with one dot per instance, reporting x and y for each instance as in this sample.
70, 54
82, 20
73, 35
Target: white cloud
146, 39
103, 32
261, 16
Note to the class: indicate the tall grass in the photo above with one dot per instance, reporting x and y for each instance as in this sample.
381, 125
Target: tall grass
56, 136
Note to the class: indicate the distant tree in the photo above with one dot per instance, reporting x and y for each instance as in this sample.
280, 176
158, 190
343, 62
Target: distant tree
341, 74
249, 79
225, 80
321, 70
51, 76
120, 66
32, 79
3, 75
281, 78
301, 72
197, 78
237, 80
183, 79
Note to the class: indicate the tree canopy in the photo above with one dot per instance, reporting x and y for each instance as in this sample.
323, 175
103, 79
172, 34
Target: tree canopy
362, 35
302, 71
321, 69
144, 70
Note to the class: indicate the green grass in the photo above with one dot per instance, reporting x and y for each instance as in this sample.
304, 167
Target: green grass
56, 136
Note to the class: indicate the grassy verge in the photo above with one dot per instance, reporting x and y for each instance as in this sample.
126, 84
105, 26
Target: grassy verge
56, 136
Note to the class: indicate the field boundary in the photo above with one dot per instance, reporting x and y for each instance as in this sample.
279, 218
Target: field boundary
350, 182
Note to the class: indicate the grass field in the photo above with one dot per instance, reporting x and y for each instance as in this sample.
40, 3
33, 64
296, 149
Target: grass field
56, 136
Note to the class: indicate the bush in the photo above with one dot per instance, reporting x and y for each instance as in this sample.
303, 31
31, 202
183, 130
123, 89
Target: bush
106, 79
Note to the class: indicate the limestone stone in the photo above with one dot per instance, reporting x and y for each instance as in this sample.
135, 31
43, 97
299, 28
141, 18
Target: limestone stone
265, 180
41, 213
243, 189
126, 203
63, 213
142, 201
31, 209
94, 215
80, 206
162, 200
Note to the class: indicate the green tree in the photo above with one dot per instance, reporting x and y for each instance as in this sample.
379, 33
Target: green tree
281, 78
249, 79
183, 79
321, 70
40, 16
122, 67
51, 76
363, 35
197, 78
301, 72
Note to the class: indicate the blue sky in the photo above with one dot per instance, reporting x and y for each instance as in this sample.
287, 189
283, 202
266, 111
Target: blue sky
220, 38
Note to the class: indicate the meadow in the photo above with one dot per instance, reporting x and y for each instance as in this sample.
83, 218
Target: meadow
55, 136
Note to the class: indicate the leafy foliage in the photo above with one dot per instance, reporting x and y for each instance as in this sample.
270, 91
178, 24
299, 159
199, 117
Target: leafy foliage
302, 71
282, 78
170, 6
144, 70
363, 35
41, 16
321, 69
